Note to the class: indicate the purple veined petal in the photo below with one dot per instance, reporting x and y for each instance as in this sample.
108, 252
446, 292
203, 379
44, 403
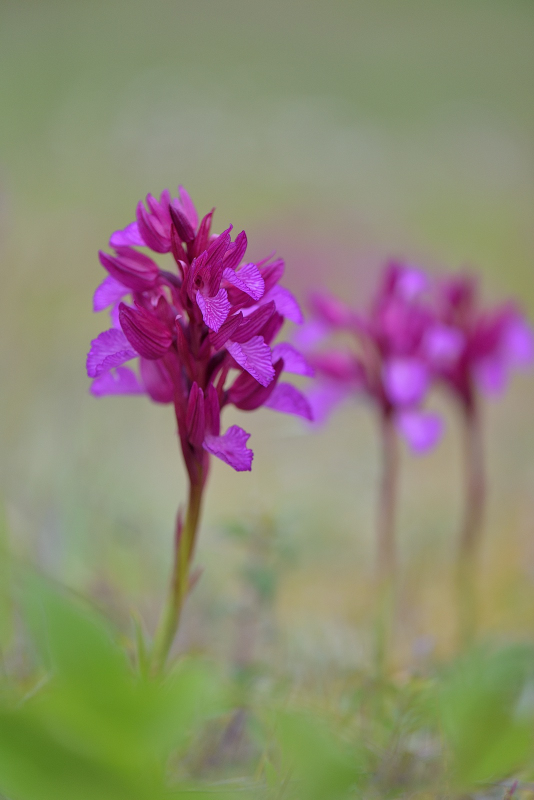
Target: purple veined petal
490, 375
248, 279
289, 400
213, 411
120, 381
411, 282
231, 448
131, 268
247, 394
196, 416
518, 342
128, 236
181, 222
293, 360
145, 331
324, 398
421, 429
110, 349
255, 357
254, 324
405, 380
310, 334
114, 315
285, 303
233, 256
157, 381
188, 206
214, 309
154, 233
218, 245
108, 293
272, 273
442, 345
226, 331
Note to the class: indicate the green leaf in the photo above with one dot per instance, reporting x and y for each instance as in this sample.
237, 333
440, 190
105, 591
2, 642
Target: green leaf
488, 738
318, 760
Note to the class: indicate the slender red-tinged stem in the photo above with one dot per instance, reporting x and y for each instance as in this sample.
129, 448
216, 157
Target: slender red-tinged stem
386, 557
184, 550
471, 532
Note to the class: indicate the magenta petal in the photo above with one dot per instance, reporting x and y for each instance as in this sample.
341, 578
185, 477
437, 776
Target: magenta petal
109, 349
131, 268
108, 293
253, 323
214, 309
289, 400
411, 283
120, 381
518, 342
157, 381
128, 236
421, 429
255, 357
233, 256
490, 375
405, 380
293, 360
443, 344
181, 222
331, 310
311, 334
231, 448
145, 331
213, 411
324, 398
114, 315
285, 303
188, 206
248, 279
196, 416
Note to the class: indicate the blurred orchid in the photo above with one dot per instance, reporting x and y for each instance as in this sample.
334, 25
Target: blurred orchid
384, 361
387, 361
201, 336
472, 351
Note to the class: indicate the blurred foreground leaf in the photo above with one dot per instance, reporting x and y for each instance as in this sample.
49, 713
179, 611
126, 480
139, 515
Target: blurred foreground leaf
315, 760
488, 728
95, 729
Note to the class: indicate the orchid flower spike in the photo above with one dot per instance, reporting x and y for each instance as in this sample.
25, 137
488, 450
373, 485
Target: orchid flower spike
199, 336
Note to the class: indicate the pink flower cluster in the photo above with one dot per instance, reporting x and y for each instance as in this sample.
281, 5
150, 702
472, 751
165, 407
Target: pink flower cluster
416, 333
201, 332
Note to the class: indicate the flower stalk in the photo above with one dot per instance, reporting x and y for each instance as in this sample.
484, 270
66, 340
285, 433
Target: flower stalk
472, 529
386, 557
185, 541
185, 331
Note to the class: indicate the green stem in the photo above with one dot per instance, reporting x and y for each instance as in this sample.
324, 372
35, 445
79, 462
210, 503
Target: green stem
170, 618
472, 525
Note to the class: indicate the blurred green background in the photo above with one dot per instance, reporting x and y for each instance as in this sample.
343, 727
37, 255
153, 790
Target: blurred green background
337, 133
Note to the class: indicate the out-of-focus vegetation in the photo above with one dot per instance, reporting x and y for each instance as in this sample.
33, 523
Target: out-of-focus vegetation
86, 720
338, 133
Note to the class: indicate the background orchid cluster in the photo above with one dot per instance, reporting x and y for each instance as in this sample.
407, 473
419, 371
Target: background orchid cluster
418, 332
